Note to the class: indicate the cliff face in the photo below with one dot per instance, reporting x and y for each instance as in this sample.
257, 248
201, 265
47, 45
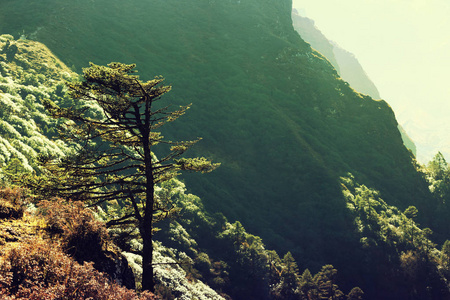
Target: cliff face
271, 109
353, 72
310, 33
344, 62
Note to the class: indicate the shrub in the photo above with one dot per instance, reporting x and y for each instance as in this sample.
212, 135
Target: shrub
80, 234
36, 270
12, 203
85, 238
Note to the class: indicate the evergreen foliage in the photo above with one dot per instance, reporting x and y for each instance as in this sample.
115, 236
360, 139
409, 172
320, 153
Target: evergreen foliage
234, 262
355, 294
437, 173
397, 252
445, 259
114, 160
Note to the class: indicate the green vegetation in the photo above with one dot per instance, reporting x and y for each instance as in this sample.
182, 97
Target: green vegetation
32, 75
272, 110
113, 160
437, 174
51, 251
285, 127
344, 62
415, 269
234, 262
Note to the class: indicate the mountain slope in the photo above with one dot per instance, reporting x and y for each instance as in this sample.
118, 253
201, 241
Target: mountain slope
344, 62
29, 72
352, 71
271, 109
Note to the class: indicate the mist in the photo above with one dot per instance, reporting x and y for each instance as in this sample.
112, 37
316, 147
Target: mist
405, 49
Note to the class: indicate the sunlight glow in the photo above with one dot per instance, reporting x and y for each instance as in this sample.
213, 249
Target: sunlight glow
404, 47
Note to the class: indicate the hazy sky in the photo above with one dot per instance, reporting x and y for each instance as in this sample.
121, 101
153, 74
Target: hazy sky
404, 47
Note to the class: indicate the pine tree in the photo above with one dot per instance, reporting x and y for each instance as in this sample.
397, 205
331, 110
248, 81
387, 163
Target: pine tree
114, 158
326, 286
355, 294
289, 278
438, 166
445, 259
308, 287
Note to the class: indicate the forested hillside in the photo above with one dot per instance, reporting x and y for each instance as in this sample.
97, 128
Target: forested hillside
273, 111
29, 73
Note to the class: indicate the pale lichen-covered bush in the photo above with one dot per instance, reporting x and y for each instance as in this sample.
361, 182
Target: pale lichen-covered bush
5, 155
181, 237
39, 143
135, 262
25, 127
39, 92
174, 277
6, 37
7, 86
24, 148
8, 152
10, 103
8, 131
168, 273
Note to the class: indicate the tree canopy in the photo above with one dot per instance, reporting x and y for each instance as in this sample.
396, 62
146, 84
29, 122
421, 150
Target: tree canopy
114, 158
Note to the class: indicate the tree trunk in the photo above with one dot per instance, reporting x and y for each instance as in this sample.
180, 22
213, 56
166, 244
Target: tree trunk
147, 254
146, 228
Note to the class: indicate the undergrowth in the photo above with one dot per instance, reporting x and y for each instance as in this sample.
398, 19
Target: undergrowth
76, 228
35, 269
46, 253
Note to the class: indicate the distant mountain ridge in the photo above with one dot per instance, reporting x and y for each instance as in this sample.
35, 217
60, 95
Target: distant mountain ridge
352, 71
345, 63
310, 33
